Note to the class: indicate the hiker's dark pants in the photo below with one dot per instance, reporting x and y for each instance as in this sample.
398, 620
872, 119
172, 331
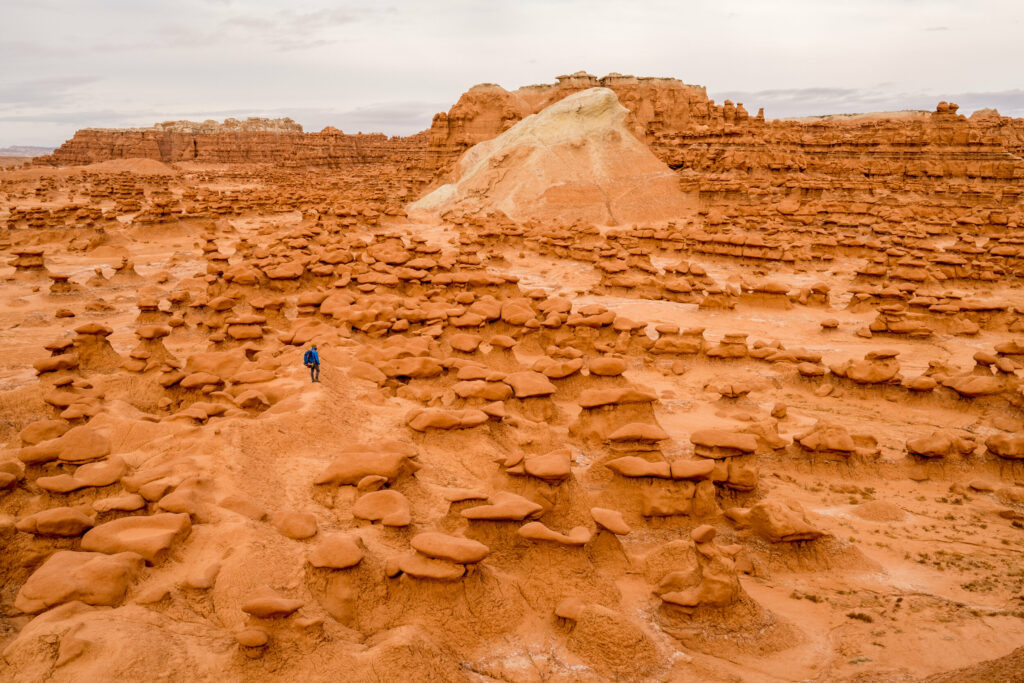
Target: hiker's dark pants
314, 372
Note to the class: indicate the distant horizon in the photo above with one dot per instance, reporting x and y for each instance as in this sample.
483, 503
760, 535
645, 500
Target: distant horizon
783, 99
389, 66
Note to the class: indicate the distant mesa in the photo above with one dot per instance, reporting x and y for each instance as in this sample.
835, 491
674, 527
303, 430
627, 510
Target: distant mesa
253, 124
701, 140
26, 151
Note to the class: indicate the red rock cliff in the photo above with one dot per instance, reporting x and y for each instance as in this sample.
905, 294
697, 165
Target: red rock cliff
276, 141
718, 149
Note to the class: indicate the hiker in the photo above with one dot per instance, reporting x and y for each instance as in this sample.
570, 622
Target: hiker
312, 361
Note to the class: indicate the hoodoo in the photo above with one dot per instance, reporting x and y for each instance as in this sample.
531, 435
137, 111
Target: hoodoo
617, 384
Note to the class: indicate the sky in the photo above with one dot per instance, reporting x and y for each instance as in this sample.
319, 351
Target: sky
389, 65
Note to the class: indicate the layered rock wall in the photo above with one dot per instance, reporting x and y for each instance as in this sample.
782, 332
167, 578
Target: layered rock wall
275, 143
719, 150
689, 131
661, 109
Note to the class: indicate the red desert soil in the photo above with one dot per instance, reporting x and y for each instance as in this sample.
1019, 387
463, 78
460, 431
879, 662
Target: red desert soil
641, 388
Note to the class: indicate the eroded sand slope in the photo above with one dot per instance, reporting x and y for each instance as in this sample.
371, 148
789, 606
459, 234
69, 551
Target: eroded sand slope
761, 440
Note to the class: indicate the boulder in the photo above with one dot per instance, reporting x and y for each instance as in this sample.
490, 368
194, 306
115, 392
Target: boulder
939, 444
634, 466
423, 567
266, 604
451, 548
66, 576
350, 467
151, 536
553, 467
528, 384
297, 525
611, 520
781, 522
1007, 446
78, 444
336, 551
692, 469
60, 521
437, 418
537, 531
827, 438
721, 443
606, 366
504, 505
388, 507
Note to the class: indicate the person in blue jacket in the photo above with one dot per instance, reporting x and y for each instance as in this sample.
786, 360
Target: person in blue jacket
312, 361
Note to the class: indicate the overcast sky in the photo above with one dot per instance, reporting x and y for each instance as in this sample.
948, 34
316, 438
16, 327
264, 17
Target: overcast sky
390, 65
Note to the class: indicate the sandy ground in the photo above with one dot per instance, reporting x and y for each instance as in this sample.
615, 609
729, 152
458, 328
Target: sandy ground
919, 570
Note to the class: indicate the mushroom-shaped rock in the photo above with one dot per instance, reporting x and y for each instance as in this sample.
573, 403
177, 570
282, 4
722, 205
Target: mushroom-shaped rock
60, 483
126, 502
606, 366
336, 551
266, 604
349, 468
1007, 446
466, 343
705, 533
611, 520
553, 466
423, 567
827, 438
149, 536
198, 380
504, 505
64, 361
60, 521
388, 507
634, 466
974, 386
939, 444
921, 383
13, 471
487, 391
527, 384
781, 522
297, 525
502, 341
286, 271
638, 431
437, 418
103, 473
731, 389
872, 372
722, 443
451, 548
252, 637
564, 369
537, 531
597, 398
151, 332
43, 430
66, 576
79, 444
692, 469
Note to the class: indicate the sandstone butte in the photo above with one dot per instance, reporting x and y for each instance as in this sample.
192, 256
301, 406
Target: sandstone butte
618, 384
574, 158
